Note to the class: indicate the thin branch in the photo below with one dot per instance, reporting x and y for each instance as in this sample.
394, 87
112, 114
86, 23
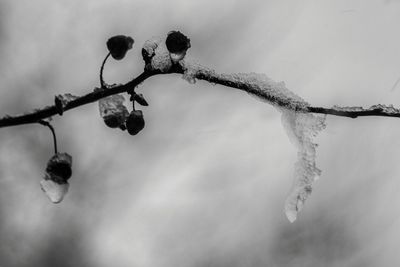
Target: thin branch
377, 110
46, 123
102, 83
46, 112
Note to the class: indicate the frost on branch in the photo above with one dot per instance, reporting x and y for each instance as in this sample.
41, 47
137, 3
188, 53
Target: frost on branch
194, 69
388, 109
61, 101
300, 125
156, 55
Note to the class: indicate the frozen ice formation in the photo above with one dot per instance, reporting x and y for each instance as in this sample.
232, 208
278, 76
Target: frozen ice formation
54, 191
61, 101
383, 108
158, 54
301, 126
301, 129
113, 110
193, 69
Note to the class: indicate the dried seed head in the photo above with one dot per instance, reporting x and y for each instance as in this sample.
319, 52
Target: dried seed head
59, 167
118, 46
135, 122
177, 42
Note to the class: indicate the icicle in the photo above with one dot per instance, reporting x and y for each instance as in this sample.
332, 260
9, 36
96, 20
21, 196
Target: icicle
301, 129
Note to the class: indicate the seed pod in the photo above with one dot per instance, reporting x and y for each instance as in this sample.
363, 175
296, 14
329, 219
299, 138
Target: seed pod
55, 182
60, 166
135, 122
177, 42
113, 110
118, 46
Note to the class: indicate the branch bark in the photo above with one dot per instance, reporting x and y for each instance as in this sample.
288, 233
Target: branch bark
74, 102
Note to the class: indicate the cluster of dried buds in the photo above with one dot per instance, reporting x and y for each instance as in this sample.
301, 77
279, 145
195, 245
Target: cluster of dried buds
112, 109
116, 115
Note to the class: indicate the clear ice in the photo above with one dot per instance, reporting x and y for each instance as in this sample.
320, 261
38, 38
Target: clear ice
300, 125
161, 59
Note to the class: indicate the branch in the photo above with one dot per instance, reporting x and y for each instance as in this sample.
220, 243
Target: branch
71, 102
68, 102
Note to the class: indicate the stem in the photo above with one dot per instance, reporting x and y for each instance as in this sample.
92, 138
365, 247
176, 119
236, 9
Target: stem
46, 123
102, 83
132, 93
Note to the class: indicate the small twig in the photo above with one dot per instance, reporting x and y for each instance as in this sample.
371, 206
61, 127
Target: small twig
46, 123
102, 83
132, 93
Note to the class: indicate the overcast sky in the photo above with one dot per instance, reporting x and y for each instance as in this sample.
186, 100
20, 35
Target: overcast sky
204, 184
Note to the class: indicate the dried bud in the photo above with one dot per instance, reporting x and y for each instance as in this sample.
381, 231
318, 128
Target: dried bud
118, 46
113, 111
58, 171
177, 42
135, 122
60, 166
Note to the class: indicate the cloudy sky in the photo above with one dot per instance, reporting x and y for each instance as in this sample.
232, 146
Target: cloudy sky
204, 183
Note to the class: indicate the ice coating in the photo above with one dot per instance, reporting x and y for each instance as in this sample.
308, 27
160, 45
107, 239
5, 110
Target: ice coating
54, 191
192, 69
113, 106
176, 57
301, 129
160, 58
151, 45
300, 125
389, 109
66, 98
255, 84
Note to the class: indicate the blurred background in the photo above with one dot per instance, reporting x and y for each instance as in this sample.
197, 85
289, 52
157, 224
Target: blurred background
205, 182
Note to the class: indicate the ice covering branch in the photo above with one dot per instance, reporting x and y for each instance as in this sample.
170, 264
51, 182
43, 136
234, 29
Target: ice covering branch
70, 102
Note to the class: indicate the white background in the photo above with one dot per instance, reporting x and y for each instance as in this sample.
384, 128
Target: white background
205, 182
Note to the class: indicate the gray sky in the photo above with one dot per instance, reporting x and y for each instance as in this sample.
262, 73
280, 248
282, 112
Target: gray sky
205, 182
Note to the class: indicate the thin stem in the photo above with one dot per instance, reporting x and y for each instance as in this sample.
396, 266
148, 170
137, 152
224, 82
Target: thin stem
102, 83
132, 93
46, 123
